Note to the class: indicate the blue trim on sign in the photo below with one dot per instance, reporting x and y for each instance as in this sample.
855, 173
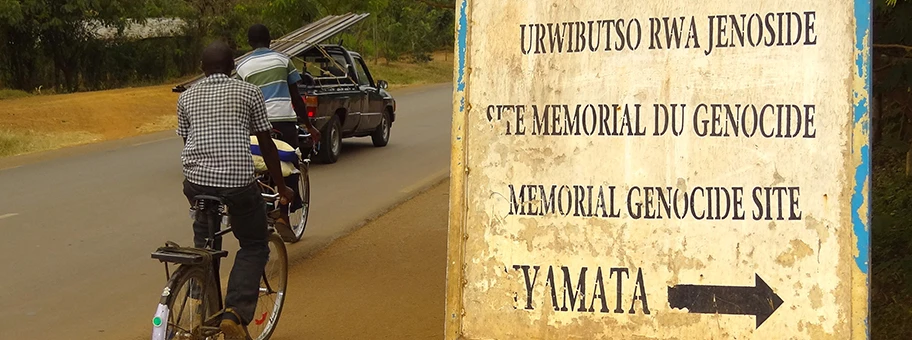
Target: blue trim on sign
863, 172
861, 119
461, 36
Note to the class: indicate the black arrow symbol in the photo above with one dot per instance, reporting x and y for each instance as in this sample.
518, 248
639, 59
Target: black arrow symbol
759, 300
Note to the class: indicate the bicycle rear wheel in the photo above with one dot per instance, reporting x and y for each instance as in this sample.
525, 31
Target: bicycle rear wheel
188, 305
272, 291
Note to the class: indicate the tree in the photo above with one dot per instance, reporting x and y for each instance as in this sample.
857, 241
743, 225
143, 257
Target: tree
58, 28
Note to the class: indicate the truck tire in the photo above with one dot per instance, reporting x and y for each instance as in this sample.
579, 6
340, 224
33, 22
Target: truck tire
331, 142
381, 135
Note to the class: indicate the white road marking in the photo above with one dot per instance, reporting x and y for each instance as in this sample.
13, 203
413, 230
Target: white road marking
8, 215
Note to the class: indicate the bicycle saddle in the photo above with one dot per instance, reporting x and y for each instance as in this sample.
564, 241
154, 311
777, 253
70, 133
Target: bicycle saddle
204, 202
198, 198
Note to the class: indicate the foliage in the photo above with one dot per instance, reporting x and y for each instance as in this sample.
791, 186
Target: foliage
891, 294
47, 43
891, 196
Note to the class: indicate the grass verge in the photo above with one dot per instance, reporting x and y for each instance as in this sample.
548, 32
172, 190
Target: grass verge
14, 143
401, 74
13, 94
39, 123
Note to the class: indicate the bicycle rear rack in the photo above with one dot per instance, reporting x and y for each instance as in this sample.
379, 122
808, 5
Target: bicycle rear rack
173, 253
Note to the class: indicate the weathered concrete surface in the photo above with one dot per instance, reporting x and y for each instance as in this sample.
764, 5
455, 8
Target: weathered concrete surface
591, 222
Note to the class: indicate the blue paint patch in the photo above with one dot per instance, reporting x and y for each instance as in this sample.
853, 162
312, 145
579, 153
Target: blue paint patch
462, 104
461, 44
860, 226
863, 171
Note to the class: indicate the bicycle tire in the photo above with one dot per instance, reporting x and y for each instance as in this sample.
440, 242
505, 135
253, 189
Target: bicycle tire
298, 219
210, 304
268, 314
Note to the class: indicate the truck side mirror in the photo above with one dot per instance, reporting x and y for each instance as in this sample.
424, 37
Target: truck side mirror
382, 84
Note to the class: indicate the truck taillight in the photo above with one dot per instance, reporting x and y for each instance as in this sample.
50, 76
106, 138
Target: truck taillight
311, 103
310, 100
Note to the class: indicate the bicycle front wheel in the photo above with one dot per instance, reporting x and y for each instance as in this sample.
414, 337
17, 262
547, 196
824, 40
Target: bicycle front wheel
272, 291
298, 218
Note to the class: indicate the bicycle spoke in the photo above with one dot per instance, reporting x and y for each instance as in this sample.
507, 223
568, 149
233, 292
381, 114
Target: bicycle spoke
183, 304
266, 283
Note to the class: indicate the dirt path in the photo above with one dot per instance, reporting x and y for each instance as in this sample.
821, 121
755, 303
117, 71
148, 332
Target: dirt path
384, 281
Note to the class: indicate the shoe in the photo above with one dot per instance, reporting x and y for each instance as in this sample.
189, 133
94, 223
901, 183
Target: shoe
281, 224
232, 329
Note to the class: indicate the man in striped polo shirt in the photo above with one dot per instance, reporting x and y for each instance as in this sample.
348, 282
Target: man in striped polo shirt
278, 78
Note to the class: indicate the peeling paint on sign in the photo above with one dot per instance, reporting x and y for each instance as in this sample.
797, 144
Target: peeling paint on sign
660, 170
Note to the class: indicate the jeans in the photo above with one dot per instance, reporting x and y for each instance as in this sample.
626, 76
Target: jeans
247, 215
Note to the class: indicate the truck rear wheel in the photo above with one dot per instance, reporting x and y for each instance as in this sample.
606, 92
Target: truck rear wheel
381, 136
331, 142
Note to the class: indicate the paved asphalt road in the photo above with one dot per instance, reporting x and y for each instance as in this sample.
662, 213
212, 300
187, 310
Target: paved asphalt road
78, 225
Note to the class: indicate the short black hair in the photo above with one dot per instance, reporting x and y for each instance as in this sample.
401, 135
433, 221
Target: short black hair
258, 36
218, 58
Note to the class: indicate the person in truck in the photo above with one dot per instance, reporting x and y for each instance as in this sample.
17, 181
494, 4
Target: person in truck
278, 78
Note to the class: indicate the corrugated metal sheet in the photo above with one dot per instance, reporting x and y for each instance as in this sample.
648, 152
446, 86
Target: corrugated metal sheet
301, 39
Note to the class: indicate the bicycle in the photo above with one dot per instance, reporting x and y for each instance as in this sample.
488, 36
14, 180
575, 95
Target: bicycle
197, 280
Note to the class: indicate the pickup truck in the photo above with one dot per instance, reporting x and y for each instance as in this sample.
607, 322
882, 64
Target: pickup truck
343, 99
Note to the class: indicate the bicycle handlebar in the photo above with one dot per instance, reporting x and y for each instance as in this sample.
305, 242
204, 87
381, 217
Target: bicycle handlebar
274, 196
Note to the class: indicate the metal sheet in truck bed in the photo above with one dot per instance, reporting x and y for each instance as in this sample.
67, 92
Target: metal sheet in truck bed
299, 40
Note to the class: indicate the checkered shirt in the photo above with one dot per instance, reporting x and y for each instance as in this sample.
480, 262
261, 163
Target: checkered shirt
217, 117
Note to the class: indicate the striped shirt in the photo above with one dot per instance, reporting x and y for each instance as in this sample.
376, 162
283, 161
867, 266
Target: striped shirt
272, 72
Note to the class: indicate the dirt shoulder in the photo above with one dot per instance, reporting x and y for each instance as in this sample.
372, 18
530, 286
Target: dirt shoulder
384, 281
41, 123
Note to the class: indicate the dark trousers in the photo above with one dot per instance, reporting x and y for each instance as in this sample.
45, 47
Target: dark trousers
247, 215
289, 133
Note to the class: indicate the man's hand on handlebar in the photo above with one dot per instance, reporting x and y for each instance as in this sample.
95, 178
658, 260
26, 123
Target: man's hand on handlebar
286, 195
314, 133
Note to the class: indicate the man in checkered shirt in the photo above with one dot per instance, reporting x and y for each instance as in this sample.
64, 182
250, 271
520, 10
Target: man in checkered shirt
216, 118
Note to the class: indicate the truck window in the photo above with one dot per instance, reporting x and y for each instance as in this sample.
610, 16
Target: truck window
363, 77
320, 66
